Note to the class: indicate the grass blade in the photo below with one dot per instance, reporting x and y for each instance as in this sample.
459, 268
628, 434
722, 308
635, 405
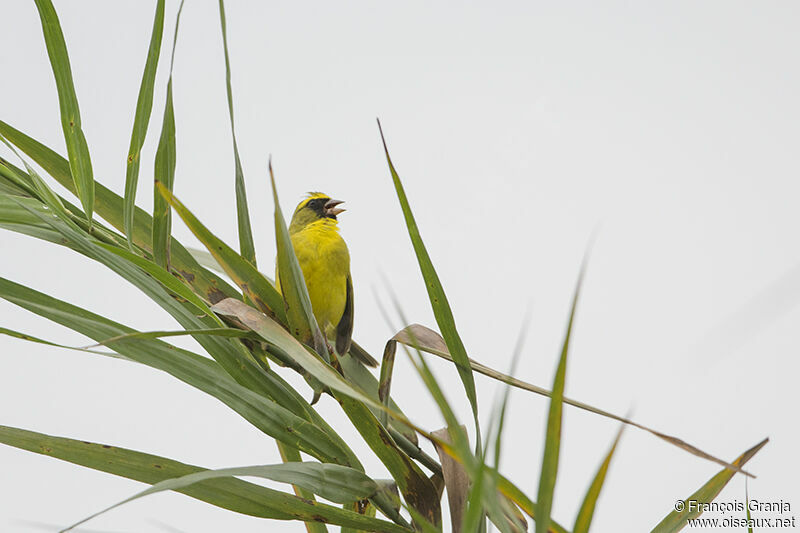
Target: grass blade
37, 340
80, 163
221, 332
225, 492
747, 506
333, 482
547, 479
144, 105
13, 182
246, 246
165, 169
675, 520
441, 308
584, 518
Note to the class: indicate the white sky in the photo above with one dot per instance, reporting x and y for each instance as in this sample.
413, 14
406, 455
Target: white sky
519, 129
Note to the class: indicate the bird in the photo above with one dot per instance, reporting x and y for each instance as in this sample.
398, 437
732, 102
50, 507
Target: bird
325, 262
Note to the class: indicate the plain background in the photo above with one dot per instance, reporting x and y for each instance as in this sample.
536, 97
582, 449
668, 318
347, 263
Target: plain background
669, 130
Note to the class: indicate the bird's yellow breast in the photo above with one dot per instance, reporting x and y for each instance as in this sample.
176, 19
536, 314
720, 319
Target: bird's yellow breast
325, 262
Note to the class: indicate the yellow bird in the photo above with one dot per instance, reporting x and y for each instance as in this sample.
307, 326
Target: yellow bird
325, 262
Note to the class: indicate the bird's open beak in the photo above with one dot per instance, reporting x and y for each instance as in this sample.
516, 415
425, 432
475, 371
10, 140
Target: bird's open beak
330, 208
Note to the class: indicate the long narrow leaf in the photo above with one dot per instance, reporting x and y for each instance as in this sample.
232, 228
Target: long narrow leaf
438, 299
584, 518
144, 105
246, 246
13, 182
693, 505
333, 482
37, 340
225, 492
547, 479
80, 163
221, 332
165, 169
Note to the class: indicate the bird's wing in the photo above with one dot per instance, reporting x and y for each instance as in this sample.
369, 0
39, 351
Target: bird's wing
344, 329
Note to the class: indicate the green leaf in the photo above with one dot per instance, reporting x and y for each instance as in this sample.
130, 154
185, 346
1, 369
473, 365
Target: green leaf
225, 492
438, 299
221, 332
165, 169
747, 506
144, 105
547, 479
15, 215
255, 286
13, 180
246, 245
677, 520
37, 340
299, 314
333, 482
80, 163
109, 206
584, 518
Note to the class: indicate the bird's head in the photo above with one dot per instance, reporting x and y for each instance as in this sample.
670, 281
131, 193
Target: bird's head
318, 206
